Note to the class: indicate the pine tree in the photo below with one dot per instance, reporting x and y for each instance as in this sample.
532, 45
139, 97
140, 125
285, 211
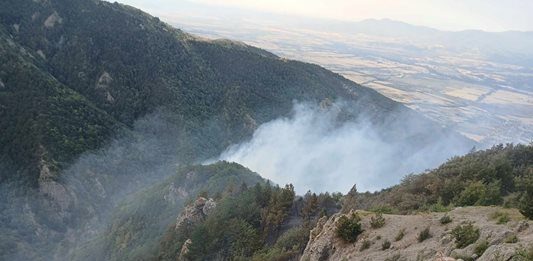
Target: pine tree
310, 206
526, 201
349, 201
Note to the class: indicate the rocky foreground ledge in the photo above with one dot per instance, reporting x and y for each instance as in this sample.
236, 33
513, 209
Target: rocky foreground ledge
494, 233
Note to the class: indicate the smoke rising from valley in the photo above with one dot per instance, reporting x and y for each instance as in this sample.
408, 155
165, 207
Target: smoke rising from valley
314, 151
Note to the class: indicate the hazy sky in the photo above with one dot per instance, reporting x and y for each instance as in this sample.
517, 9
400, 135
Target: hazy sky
488, 15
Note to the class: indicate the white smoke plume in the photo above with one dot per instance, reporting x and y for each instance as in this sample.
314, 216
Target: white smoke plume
314, 152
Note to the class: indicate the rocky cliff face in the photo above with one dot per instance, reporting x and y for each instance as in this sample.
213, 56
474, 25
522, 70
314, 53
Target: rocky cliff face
195, 213
503, 235
192, 215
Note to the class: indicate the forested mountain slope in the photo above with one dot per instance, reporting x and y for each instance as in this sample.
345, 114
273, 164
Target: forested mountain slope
87, 68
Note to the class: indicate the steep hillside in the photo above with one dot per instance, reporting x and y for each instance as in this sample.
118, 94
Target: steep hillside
229, 213
87, 66
133, 230
42, 120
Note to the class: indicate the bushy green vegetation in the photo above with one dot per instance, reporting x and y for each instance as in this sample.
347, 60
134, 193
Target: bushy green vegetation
400, 235
445, 219
478, 178
348, 227
500, 217
437, 207
524, 254
465, 234
481, 247
424, 234
365, 245
377, 221
385, 245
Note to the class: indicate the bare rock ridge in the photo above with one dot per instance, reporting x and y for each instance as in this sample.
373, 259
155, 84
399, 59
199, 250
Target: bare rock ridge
193, 214
495, 234
196, 212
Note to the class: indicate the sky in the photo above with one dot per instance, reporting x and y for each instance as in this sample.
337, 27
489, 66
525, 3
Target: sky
452, 15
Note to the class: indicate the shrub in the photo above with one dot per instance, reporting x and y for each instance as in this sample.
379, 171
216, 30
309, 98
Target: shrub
445, 219
524, 254
501, 217
365, 245
424, 234
465, 234
481, 247
349, 228
400, 235
377, 221
437, 207
385, 245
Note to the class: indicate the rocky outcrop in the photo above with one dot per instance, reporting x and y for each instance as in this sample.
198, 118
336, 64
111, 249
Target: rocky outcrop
499, 252
52, 20
104, 81
185, 250
208, 207
319, 249
58, 194
41, 54
195, 213
325, 245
